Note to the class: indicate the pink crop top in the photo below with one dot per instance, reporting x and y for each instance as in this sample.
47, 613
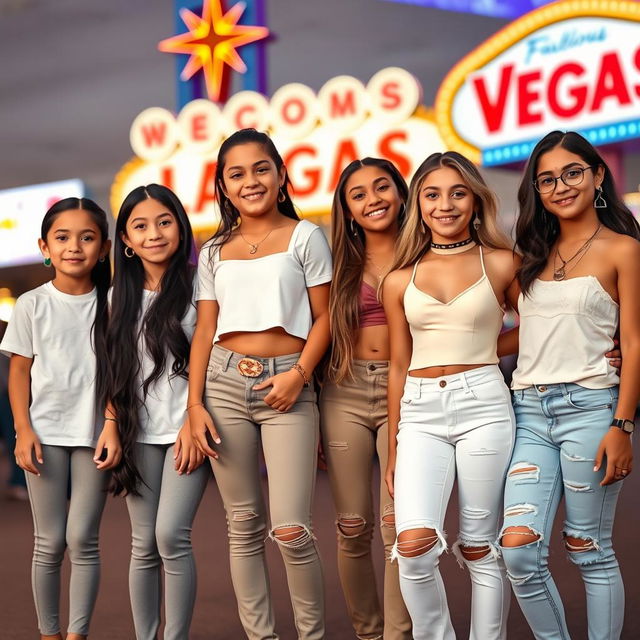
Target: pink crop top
371, 310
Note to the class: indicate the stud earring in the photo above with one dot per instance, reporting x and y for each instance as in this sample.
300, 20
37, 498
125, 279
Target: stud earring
129, 252
599, 202
47, 262
477, 222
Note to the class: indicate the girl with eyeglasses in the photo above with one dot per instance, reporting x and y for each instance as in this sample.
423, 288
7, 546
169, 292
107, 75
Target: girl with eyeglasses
579, 275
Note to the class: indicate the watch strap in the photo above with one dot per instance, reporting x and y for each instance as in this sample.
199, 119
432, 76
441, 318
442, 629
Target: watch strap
628, 426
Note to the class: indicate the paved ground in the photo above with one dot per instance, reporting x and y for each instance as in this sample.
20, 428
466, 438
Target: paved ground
215, 614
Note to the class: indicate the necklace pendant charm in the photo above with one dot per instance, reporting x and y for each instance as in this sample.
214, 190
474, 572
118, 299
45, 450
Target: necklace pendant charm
254, 249
559, 274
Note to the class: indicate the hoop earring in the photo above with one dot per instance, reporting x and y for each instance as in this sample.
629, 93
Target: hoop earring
102, 259
599, 202
129, 252
47, 262
354, 229
281, 196
477, 222
402, 210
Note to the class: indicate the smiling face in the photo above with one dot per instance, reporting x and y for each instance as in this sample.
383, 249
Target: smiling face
446, 205
567, 201
372, 198
152, 232
251, 180
74, 244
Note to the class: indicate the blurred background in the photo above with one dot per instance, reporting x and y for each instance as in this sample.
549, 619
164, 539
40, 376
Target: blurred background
78, 76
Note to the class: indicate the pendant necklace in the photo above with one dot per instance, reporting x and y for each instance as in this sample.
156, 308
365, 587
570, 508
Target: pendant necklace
381, 271
560, 273
254, 245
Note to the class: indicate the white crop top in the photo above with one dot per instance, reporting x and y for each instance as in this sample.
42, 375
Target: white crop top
462, 331
565, 329
270, 291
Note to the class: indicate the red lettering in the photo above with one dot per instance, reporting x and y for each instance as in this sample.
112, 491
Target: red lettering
527, 97
385, 149
345, 154
154, 133
339, 108
636, 61
166, 177
610, 82
299, 111
242, 124
206, 192
578, 92
390, 90
493, 111
199, 127
312, 175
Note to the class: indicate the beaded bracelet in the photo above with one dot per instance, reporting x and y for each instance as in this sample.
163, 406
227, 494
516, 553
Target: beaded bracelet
300, 369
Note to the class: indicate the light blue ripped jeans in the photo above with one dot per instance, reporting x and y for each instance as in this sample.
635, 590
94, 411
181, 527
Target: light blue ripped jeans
559, 428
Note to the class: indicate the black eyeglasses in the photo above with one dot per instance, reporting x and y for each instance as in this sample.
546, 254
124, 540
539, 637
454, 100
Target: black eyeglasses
571, 177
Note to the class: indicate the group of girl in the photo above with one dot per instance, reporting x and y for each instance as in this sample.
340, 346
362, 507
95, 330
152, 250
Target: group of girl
131, 389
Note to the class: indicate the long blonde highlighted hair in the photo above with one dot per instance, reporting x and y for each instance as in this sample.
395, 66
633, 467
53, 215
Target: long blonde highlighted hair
415, 236
348, 249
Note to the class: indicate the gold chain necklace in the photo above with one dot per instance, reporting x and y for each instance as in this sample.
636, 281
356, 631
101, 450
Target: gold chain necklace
254, 245
381, 271
560, 273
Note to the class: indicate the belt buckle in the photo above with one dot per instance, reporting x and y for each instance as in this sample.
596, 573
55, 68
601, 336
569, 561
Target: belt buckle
249, 367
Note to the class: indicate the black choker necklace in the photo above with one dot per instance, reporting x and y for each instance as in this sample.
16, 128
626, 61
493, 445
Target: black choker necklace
452, 245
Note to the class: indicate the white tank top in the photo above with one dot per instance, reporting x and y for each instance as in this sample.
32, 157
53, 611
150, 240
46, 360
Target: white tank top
462, 331
565, 329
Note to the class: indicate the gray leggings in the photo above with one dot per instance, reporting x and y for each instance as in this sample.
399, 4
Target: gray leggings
161, 521
55, 530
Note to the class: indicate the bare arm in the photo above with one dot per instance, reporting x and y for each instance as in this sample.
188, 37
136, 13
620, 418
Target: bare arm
286, 386
200, 421
616, 445
400, 349
27, 443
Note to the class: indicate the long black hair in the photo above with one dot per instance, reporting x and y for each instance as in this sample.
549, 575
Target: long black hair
101, 278
537, 230
229, 215
160, 328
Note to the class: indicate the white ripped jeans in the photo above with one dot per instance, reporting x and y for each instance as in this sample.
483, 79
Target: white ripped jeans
458, 424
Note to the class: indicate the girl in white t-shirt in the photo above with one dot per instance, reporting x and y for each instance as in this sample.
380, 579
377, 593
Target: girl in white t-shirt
56, 341
263, 294
152, 321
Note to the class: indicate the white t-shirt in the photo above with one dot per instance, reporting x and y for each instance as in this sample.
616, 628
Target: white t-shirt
270, 291
54, 329
164, 410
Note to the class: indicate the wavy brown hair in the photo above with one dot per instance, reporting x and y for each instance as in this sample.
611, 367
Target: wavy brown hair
415, 237
348, 249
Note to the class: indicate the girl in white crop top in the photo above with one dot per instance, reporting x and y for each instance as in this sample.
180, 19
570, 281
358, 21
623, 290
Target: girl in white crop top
263, 291
579, 280
444, 303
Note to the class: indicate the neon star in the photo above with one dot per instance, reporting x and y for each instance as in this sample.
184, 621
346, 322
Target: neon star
212, 41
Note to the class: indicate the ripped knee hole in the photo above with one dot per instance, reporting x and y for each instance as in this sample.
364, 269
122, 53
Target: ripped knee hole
474, 553
518, 536
416, 542
351, 526
579, 545
292, 536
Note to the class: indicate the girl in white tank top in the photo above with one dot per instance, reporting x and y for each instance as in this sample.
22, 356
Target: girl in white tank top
449, 409
579, 283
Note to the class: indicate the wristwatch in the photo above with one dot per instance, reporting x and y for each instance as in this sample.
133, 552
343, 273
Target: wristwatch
627, 426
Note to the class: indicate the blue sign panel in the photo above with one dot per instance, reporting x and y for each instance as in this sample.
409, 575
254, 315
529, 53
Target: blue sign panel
495, 8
